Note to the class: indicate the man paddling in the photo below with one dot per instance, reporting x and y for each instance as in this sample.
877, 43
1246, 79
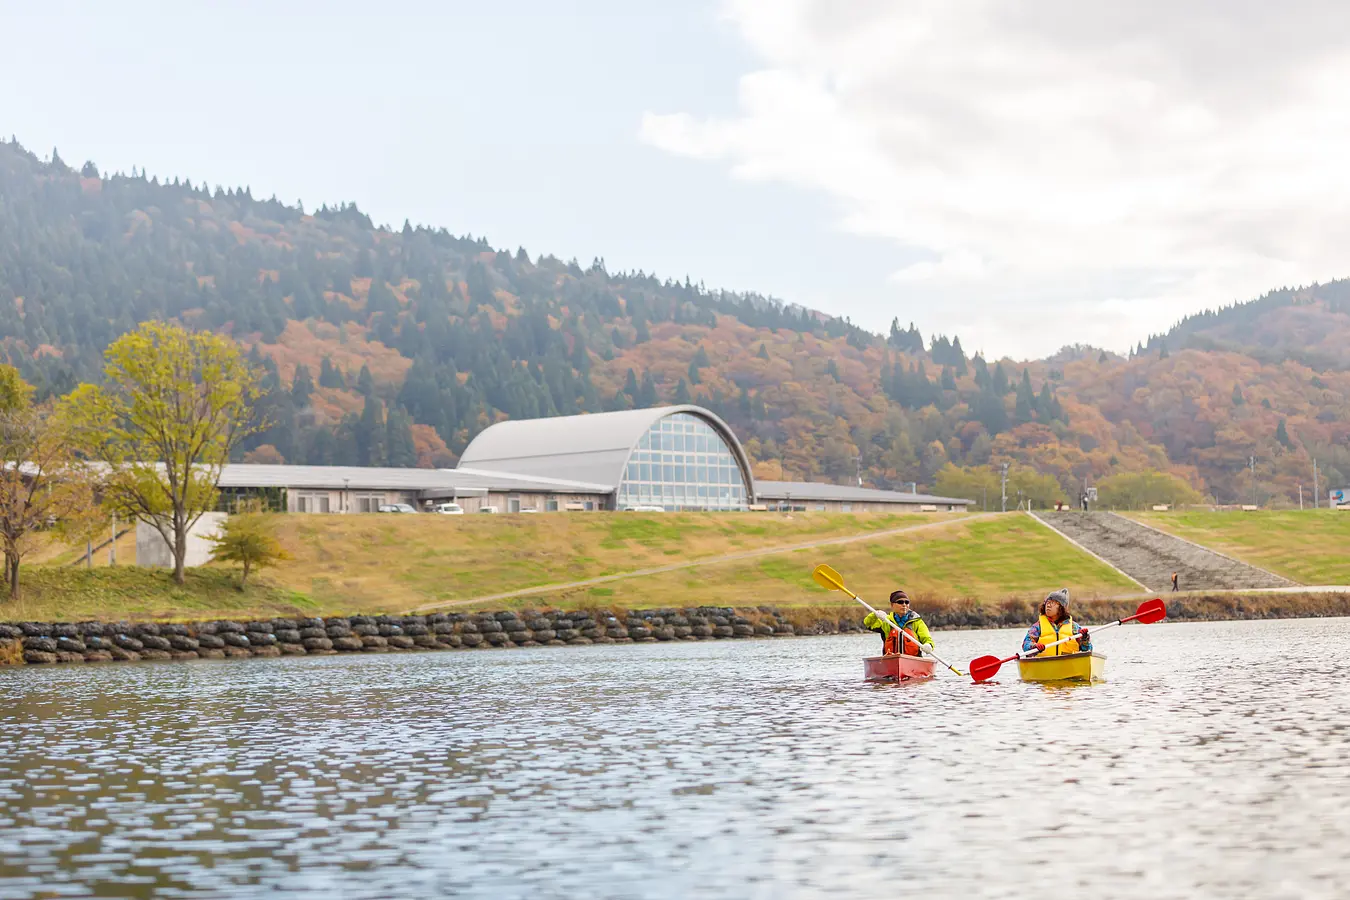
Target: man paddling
889, 627
1055, 624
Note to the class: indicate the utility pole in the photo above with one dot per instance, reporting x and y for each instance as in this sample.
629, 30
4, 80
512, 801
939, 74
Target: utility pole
1315, 487
1253, 463
858, 459
112, 544
1300, 497
1004, 486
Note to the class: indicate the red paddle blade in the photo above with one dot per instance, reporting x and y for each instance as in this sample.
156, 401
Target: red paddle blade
984, 668
1151, 611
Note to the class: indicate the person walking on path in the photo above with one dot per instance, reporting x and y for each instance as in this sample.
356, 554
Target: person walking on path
1174, 582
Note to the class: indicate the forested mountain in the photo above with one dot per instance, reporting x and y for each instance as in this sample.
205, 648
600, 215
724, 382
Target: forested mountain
397, 346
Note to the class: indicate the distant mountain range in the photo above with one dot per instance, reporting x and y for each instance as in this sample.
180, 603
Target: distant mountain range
396, 347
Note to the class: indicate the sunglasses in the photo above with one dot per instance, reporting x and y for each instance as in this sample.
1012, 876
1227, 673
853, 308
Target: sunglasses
900, 602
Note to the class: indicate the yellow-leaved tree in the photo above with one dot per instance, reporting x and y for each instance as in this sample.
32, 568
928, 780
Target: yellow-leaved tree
250, 539
173, 405
1140, 490
43, 486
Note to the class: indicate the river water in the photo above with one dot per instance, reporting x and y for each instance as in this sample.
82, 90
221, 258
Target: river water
1213, 763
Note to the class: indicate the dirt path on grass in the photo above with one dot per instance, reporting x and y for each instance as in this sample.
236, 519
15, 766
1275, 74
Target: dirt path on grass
694, 564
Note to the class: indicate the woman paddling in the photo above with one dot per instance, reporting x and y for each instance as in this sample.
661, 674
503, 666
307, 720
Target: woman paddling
893, 639
1055, 624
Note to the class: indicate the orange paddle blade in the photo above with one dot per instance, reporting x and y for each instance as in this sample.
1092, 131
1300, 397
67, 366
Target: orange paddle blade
984, 668
1151, 611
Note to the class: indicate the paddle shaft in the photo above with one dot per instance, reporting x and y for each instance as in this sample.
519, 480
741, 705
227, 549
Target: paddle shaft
923, 647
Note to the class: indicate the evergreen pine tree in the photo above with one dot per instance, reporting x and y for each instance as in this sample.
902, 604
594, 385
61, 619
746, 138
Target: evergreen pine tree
302, 386
369, 434
1282, 435
647, 396
763, 352
399, 447
365, 382
1026, 399
329, 376
1000, 380
682, 393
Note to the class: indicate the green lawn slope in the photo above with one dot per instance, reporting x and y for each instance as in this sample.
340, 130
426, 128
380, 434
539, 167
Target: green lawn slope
1309, 546
972, 559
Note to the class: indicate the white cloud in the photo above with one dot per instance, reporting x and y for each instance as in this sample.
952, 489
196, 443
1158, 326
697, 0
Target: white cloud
1070, 169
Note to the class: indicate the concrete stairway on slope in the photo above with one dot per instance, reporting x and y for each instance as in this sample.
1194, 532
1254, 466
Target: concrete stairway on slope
1150, 556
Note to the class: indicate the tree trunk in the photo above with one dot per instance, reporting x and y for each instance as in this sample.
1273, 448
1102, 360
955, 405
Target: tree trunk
12, 574
244, 578
179, 552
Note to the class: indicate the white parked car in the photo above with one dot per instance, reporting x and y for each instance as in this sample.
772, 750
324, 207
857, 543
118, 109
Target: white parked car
487, 509
396, 508
448, 509
644, 509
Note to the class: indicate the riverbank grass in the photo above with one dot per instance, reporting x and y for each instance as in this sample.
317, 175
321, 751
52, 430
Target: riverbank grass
986, 560
68, 594
1307, 546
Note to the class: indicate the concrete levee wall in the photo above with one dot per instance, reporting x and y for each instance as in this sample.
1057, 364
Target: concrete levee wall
151, 549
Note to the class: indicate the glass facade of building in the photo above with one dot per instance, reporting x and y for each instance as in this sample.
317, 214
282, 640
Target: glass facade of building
683, 463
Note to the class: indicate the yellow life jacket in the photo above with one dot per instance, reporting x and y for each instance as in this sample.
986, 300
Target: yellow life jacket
1050, 634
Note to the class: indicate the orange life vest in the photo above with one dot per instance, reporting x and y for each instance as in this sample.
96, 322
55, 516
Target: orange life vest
896, 641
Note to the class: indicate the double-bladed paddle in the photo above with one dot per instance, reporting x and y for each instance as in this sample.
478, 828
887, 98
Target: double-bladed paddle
987, 667
832, 581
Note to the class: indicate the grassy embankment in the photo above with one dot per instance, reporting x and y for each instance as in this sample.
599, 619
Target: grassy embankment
1308, 546
344, 564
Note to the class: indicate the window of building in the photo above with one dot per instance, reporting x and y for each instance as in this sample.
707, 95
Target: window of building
367, 503
683, 463
311, 503
846, 507
551, 504
513, 504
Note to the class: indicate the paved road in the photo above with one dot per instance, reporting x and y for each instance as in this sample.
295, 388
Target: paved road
1150, 556
697, 563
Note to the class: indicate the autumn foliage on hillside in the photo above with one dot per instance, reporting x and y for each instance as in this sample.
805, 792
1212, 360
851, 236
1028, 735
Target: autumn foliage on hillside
396, 347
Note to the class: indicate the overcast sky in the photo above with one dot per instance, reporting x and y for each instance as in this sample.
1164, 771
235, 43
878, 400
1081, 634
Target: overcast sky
1023, 173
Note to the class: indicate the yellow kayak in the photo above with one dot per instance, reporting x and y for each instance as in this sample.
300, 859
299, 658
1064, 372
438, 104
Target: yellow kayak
1085, 667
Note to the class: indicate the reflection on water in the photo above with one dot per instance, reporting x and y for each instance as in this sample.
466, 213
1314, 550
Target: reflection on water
1212, 763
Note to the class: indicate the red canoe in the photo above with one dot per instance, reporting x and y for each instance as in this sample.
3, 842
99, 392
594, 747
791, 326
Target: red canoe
897, 667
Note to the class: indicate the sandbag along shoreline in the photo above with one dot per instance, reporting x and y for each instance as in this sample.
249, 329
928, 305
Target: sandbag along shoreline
46, 643
43, 643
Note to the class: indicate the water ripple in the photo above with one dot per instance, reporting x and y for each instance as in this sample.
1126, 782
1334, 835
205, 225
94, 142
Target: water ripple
1213, 763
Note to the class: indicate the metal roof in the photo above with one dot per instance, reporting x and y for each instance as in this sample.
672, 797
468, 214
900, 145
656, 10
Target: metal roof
815, 490
374, 478
592, 448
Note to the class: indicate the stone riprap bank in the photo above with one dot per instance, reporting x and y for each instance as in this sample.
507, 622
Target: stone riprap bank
37, 643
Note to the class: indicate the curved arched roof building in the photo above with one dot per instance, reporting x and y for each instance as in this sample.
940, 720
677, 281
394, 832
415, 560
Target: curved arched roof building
676, 457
